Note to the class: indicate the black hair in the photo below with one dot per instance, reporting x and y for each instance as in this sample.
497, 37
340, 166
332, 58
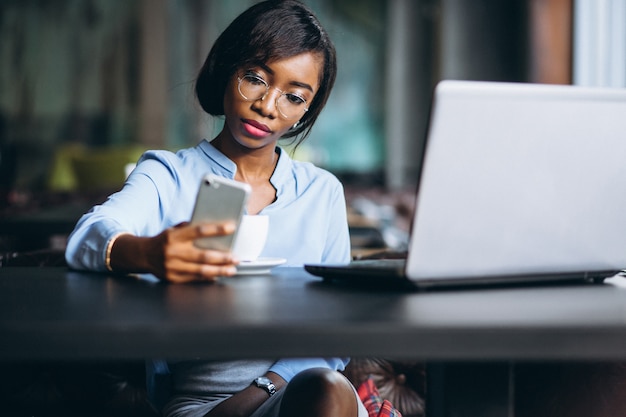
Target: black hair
267, 31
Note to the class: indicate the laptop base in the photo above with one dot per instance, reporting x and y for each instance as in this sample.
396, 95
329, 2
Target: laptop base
389, 274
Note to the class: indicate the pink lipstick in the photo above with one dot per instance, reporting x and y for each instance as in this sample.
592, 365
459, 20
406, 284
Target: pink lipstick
255, 128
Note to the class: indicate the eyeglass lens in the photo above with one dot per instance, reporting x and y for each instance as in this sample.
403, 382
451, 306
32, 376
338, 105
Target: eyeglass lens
290, 105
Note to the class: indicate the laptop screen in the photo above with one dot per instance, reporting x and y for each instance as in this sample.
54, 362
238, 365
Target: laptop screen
521, 179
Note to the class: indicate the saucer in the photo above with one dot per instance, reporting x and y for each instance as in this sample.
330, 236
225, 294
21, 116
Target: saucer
259, 267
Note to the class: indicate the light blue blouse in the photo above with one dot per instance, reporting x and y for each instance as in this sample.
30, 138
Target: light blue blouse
308, 221
308, 224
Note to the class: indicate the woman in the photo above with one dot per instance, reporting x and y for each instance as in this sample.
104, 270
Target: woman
269, 74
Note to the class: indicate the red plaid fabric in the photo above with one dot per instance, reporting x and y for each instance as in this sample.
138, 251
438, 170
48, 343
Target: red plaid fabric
374, 404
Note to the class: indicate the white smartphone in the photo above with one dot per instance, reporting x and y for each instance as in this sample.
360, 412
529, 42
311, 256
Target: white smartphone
219, 199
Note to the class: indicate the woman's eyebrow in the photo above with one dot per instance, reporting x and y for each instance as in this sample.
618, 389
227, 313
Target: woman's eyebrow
266, 68
294, 83
302, 85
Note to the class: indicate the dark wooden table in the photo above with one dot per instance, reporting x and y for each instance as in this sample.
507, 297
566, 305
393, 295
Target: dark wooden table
56, 314
88, 315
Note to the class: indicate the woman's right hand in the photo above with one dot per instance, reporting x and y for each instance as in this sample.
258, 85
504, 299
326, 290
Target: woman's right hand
172, 256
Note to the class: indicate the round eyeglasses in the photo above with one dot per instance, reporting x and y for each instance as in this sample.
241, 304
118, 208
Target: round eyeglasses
290, 105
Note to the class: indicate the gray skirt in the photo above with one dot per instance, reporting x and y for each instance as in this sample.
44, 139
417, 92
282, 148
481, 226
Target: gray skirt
199, 406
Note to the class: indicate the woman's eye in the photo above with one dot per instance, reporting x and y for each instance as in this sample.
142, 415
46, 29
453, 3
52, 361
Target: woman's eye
253, 77
256, 80
295, 99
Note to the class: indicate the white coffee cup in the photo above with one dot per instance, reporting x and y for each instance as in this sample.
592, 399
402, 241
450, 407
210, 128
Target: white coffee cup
251, 237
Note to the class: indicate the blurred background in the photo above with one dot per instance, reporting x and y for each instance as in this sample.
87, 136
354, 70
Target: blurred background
87, 85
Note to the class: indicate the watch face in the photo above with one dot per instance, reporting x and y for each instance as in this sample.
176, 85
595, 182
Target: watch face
265, 384
262, 381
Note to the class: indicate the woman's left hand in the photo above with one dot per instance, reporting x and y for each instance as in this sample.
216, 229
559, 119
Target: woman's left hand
172, 255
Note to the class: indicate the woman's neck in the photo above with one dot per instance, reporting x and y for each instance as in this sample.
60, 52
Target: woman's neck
254, 166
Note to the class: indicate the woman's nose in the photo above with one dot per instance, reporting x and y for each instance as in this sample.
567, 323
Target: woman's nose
268, 103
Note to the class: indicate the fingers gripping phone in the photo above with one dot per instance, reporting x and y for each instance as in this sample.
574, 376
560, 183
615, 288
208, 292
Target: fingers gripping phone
219, 199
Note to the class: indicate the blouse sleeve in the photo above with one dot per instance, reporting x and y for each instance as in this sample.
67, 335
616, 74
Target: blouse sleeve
138, 208
288, 368
337, 249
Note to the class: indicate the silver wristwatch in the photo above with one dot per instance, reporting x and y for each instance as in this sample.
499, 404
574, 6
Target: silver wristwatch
266, 384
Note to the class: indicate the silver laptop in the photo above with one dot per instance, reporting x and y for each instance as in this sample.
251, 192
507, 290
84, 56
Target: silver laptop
519, 183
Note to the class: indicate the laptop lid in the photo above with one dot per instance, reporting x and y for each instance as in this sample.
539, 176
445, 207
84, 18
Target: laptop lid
521, 180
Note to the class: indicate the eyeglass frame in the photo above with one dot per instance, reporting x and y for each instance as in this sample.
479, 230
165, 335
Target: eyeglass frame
267, 90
